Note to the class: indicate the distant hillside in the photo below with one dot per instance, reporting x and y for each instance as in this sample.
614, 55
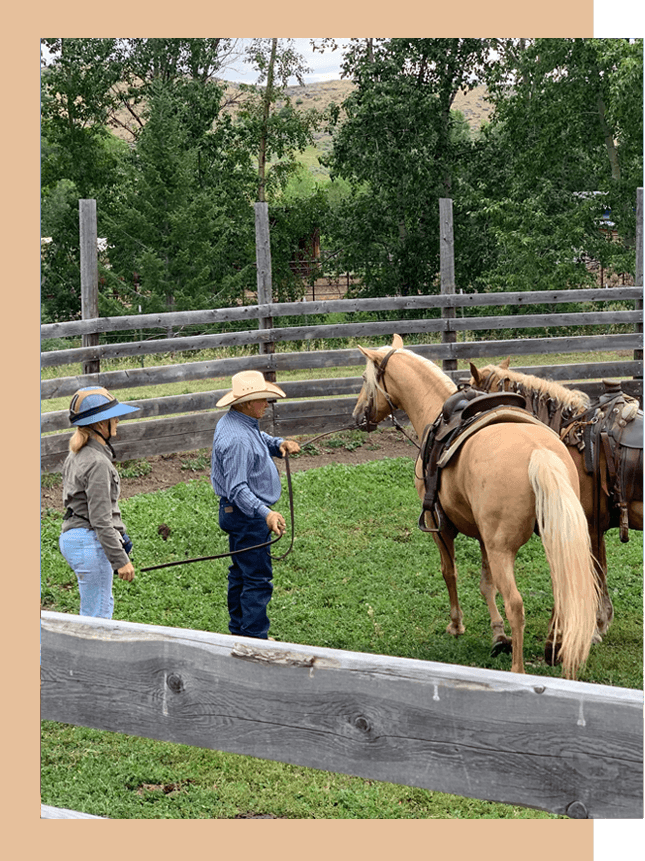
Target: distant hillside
473, 105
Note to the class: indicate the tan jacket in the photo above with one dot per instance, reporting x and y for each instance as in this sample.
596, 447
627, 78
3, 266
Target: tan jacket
91, 487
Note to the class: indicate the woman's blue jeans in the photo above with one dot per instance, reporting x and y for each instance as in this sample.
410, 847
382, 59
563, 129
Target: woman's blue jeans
85, 556
250, 574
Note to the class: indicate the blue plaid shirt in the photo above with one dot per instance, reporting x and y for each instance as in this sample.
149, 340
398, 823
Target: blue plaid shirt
241, 467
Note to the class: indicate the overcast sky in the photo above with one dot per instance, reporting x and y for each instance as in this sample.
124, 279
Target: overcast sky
325, 67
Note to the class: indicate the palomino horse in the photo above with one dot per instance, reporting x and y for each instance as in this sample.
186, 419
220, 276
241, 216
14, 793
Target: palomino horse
502, 481
568, 412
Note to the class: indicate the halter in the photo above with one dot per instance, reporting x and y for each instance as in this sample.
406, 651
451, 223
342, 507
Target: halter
367, 424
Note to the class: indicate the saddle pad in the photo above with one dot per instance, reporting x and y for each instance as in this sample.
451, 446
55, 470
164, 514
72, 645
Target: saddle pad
496, 416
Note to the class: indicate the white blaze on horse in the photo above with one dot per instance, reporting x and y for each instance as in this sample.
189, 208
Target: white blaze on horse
605, 442
496, 486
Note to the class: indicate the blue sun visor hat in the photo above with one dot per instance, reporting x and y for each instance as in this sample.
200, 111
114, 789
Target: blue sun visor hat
94, 404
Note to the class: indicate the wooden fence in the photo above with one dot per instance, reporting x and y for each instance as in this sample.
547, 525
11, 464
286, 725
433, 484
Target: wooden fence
569, 748
186, 422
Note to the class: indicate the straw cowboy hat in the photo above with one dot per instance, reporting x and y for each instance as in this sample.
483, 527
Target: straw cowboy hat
249, 386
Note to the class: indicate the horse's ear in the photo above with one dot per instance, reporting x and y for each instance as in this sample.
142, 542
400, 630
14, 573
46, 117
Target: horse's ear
506, 363
372, 355
397, 342
475, 374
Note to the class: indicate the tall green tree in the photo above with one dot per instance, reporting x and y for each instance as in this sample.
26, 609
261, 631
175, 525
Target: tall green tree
176, 205
267, 118
79, 158
181, 232
568, 149
400, 146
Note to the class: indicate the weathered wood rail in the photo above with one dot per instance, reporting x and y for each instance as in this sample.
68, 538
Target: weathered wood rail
342, 330
570, 748
322, 404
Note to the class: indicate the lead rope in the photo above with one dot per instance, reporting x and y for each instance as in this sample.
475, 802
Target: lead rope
291, 506
244, 549
266, 543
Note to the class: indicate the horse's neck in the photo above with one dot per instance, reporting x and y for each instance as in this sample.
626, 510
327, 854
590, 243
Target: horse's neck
421, 391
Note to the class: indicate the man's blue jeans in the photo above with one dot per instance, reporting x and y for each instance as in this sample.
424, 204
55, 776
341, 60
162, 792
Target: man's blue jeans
250, 574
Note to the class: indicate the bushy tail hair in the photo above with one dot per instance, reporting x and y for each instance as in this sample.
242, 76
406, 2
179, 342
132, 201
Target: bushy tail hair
565, 536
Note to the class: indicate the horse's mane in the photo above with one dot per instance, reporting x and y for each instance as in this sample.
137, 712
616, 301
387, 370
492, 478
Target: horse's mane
573, 399
370, 371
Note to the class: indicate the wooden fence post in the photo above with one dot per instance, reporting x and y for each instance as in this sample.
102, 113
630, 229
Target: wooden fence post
638, 275
264, 283
89, 276
447, 265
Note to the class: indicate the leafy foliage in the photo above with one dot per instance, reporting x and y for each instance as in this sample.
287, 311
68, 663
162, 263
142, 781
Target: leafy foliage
400, 147
175, 206
567, 149
546, 186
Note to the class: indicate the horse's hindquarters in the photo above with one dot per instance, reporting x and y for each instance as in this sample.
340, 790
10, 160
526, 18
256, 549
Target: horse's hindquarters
485, 490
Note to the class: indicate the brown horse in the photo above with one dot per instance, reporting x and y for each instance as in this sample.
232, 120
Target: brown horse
551, 402
502, 481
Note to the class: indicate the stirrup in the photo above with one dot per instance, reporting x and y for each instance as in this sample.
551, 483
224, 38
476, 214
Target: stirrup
422, 519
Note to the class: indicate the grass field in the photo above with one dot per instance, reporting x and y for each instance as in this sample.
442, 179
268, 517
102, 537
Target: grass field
377, 588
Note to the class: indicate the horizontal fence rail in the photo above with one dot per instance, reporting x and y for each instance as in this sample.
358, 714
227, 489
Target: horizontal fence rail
187, 422
74, 328
342, 330
569, 748
49, 812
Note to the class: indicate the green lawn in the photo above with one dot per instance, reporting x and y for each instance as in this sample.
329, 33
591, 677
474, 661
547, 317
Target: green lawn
377, 588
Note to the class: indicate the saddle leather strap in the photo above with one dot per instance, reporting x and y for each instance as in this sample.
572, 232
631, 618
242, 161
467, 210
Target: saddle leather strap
462, 411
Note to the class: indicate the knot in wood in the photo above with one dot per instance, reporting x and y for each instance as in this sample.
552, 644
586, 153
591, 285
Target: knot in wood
175, 683
577, 810
362, 724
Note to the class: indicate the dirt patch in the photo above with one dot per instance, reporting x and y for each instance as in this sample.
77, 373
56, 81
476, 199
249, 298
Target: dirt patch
167, 470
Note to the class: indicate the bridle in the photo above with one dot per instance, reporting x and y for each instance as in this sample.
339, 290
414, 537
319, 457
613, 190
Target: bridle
368, 424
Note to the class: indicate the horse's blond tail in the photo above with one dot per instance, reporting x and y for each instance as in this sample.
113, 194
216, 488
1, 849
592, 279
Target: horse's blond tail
565, 536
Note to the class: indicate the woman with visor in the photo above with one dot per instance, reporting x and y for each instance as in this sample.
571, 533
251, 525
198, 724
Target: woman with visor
93, 538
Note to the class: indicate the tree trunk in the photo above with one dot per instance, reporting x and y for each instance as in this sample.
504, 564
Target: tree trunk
610, 144
265, 122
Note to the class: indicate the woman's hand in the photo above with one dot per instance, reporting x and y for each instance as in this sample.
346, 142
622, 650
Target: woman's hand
127, 572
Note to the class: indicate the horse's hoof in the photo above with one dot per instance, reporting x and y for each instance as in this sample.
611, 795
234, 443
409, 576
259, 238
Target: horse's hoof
501, 647
455, 630
552, 654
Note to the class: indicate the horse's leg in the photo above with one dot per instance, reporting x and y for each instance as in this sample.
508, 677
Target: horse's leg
445, 541
501, 643
501, 564
605, 607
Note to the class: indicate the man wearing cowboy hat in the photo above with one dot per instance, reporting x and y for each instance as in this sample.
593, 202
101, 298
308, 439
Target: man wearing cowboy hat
247, 481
